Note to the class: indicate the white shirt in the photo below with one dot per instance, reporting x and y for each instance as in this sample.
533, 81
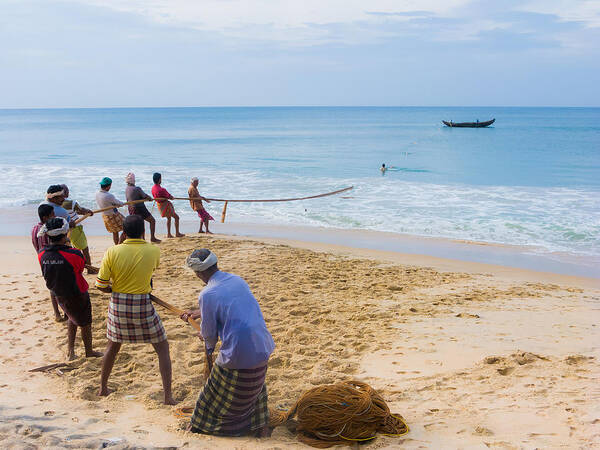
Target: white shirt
106, 199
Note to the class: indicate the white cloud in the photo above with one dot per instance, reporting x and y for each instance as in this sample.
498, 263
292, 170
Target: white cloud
223, 14
308, 22
584, 11
280, 20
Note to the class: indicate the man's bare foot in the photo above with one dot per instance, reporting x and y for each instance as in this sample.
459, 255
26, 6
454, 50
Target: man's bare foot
170, 236
60, 318
179, 235
209, 232
201, 231
103, 392
155, 240
94, 354
71, 356
170, 401
91, 270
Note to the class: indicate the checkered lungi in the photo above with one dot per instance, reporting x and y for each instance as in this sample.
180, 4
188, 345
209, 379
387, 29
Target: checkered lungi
132, 318
113, 222
233, 402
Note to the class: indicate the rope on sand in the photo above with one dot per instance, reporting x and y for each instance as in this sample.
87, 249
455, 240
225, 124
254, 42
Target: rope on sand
340, 413
49, 367
184, 412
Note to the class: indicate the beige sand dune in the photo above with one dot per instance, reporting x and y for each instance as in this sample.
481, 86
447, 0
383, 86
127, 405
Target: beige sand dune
470, 359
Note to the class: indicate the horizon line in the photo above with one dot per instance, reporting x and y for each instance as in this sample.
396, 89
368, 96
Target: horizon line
16, 108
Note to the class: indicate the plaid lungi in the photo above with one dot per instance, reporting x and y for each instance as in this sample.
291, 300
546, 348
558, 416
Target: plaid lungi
232, 403
132, 318
166, 208
113, 222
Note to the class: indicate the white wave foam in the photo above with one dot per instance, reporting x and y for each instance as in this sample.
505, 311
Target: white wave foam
555, 219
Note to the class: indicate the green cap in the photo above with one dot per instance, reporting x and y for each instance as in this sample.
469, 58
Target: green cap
105, 181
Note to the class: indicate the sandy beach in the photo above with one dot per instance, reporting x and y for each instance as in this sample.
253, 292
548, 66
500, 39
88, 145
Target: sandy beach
472, 355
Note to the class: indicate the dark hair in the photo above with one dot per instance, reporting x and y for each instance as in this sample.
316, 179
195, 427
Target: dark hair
133, 226
53, 224
44, 211
202, 254
54, 188
156, 177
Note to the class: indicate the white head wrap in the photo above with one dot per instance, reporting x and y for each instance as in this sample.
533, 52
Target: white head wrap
198, 265
194, 179
55, 194
130, 178
56, 231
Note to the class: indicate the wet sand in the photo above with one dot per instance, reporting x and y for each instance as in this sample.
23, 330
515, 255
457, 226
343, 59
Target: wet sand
472, 355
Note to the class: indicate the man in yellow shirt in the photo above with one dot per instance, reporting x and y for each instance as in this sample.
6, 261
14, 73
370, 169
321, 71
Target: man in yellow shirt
131, 315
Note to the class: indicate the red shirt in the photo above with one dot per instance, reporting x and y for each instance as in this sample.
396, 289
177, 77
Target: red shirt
38, 242
160, 192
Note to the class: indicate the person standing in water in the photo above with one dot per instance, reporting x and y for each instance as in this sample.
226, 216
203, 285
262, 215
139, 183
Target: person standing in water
164, 205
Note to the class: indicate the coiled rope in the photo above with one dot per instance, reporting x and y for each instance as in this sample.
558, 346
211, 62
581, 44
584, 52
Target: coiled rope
333, 414
339, 414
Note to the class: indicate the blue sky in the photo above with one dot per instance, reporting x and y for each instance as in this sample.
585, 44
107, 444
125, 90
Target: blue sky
97, 53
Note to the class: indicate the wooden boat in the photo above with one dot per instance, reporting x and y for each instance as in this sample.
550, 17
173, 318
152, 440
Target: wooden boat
468, 124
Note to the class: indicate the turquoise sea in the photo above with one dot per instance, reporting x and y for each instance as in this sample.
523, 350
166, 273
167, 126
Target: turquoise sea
532, 179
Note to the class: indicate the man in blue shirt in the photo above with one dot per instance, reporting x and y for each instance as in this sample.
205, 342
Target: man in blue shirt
234, 399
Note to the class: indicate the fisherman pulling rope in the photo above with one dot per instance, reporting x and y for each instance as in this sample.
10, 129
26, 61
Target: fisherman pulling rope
131, 315
233, 401
136, 194
62, 267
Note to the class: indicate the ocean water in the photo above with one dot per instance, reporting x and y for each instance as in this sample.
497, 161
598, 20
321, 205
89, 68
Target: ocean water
532, 179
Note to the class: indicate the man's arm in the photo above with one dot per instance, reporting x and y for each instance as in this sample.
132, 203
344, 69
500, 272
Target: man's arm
209, 323
103, 280
209, 362
191, 314
83, 211
166, 194
114, 202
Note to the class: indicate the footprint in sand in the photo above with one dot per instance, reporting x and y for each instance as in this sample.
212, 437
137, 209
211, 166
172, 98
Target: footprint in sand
505, 370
